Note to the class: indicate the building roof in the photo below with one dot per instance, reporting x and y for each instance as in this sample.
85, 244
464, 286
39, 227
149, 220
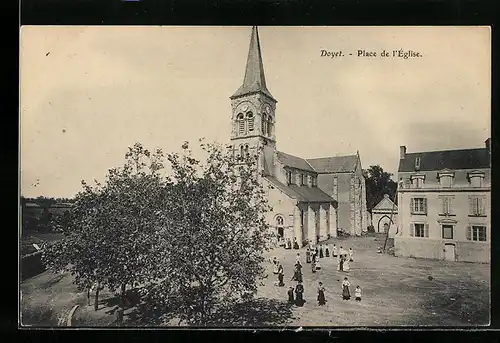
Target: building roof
254, 80
335, 164
31, 204
386, 205
446, 159
294, 161
301, 193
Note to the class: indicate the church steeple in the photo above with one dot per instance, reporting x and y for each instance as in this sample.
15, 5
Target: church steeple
255, 80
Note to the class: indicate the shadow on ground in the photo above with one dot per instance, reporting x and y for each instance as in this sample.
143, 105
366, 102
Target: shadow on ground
255, 312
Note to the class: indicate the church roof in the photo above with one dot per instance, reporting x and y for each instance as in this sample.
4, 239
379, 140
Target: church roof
386, 204
254, 80
301, 193
294, 161
334, 164
446, 159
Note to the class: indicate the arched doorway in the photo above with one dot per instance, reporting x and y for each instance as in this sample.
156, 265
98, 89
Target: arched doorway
382, 222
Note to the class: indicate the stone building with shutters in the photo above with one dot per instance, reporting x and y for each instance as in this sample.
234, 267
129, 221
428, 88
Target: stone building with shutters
304, 193
444, 204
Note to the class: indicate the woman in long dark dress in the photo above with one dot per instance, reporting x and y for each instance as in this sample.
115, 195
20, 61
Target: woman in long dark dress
327, 251
346, 295
280, 276
295, 244
321, 251
308, 255
299, 291
291, 298
321, 294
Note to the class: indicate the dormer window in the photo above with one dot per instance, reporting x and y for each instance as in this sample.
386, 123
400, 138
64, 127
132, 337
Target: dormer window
289, 177
314, 181
241, 124
476, 178
417, 180
446, 178
417, 163
250, 119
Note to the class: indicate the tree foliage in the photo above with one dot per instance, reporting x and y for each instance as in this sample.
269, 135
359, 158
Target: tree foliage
193, 238
378, 183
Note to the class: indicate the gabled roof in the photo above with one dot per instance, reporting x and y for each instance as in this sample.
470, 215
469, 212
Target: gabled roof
386, 204
301, 193
254, 80
334, 164
294, 161
446, 159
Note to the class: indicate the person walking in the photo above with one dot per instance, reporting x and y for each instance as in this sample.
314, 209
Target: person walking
280, 276
351, 255
299, 291
346, 295
327, 251
321, 294
321, 255
291, 298
308, 255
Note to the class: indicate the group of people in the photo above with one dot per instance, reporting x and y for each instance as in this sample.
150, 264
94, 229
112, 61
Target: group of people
344, 257
295, 295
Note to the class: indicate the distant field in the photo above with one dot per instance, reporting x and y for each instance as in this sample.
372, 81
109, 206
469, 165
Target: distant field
29, 238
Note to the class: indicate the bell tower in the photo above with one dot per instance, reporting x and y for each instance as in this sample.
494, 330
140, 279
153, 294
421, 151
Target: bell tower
253, 106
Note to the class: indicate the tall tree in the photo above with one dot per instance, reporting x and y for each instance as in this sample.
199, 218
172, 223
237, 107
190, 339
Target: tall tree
378, 183
215, 233
110, 228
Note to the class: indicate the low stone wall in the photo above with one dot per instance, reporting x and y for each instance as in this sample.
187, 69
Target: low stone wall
434, 249
31, 265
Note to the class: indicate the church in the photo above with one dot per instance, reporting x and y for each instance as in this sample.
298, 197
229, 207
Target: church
311, 199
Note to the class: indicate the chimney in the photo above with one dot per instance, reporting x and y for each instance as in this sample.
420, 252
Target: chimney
487, 143
402, 152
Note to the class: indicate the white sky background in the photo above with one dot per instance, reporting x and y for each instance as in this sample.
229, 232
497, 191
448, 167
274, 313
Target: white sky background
101, 89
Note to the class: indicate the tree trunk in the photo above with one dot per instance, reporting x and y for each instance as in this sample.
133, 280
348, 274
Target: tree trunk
122, 304
88, 296
96, 300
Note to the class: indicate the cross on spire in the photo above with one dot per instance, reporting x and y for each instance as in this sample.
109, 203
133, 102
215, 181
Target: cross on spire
254, 81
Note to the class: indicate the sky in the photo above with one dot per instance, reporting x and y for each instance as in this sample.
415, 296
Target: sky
88, 93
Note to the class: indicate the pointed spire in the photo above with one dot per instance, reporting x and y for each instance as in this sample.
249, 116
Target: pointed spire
254, 80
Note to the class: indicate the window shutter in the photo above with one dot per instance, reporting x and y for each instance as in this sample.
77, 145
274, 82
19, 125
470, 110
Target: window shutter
467, 234
443, 203
449, 201
411, 229
426, 230
425, 205
411, 206
471, 205
480, 205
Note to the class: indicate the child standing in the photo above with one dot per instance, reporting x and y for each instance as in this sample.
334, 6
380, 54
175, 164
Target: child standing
346, 295
357, 293
351, 255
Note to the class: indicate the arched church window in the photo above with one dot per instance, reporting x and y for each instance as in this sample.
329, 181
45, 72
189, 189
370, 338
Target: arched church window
241, 124
279, 221
264, 124
250, 119
246, 151
242, 150
269, 126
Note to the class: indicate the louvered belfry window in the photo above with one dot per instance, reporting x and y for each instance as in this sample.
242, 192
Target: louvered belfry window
250, 119
241, 124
